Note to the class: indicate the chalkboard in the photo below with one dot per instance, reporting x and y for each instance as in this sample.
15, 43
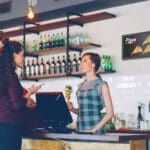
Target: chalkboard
136, 45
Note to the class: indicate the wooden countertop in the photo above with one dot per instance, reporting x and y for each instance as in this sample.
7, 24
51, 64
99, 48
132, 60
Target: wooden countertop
130, 131
107, 137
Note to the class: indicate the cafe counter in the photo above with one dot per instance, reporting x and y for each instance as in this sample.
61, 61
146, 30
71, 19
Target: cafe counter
75, 141
134, 131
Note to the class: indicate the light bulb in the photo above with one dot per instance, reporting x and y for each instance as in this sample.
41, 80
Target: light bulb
31, 14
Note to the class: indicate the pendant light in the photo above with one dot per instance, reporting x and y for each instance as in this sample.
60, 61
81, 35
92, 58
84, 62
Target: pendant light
31, 13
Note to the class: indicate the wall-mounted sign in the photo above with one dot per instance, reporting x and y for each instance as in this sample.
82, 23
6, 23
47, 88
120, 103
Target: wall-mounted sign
136, 45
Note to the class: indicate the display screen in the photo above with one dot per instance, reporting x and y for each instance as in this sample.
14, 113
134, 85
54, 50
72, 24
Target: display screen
53, 109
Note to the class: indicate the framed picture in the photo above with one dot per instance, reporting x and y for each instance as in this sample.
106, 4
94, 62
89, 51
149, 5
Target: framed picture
136, 45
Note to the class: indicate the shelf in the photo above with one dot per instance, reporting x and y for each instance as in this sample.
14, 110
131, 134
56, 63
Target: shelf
63, 48
62, 75
106, 71
28, 79
60, 24
28, 54
79, 23
31, 31
76, 49
98, 72
44, 76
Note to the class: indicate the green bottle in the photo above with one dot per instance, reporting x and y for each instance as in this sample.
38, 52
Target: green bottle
109, 63
103, 62
34, 45
106, 63
53, 40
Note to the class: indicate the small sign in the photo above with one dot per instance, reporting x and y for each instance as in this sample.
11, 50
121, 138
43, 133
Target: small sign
136, 45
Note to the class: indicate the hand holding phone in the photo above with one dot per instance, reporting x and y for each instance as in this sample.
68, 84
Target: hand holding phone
41, 85
33, 89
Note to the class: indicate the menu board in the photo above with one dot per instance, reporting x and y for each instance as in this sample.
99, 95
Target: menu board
136, 45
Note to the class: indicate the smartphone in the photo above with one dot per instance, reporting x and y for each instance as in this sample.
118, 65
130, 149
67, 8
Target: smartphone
41, 84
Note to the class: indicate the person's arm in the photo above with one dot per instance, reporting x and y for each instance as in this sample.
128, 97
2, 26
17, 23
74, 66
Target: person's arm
109, 108
75, 110
71, 108
32, 90
15, 92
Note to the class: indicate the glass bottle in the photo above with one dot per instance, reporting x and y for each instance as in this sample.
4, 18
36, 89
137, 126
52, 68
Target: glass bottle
58, 65
41, 43
28, 69
47, 67
53, 40
57, 40
53, 66
34, 45
48, 41
74, 63
69, 65
63, 65
62, 39
139, 117
32, 68
106, 62
103, 62
44, 42
109, 63
42, 67
37, 68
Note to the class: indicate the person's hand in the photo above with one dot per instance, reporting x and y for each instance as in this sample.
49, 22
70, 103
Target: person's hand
70, 106
90, 131
31, 103
33, 89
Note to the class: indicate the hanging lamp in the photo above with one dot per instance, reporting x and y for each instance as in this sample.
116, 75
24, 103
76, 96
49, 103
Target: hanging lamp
31, 12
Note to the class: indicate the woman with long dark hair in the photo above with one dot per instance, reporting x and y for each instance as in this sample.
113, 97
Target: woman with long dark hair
93, 95
13, 98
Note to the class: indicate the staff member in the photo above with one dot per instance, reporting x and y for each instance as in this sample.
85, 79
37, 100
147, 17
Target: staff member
13, 98
93, 95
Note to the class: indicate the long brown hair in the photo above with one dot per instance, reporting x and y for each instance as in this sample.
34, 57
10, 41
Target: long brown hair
6, 60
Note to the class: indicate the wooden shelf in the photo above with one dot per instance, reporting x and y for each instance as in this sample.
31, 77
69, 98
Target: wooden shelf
106, 71
62, 75
100, 71
60, 24
62, 48
44, 76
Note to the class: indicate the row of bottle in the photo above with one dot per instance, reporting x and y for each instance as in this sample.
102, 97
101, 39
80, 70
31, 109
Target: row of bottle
77, 38
106, 62
58, 40
49, 41
39, 67
34, 67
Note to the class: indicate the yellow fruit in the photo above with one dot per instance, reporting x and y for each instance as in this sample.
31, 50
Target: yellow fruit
67, 93
67, 98
68, 87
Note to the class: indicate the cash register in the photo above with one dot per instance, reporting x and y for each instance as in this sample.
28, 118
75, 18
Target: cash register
53, 112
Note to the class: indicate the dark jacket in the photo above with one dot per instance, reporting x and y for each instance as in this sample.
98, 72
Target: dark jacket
12, 103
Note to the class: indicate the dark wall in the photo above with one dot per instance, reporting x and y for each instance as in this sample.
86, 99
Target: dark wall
50, 9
